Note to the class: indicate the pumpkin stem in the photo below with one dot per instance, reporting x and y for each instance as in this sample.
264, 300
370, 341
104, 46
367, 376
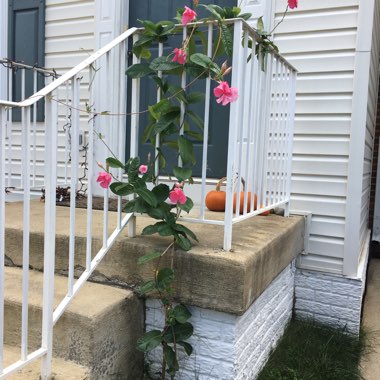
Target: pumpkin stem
222, 180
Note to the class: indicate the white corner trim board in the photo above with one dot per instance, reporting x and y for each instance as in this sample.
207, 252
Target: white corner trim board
227, 346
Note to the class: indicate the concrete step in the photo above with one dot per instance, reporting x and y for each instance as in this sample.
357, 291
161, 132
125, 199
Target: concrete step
62, 369
99, 330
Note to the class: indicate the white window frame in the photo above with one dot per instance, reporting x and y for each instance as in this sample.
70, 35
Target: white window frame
3, 46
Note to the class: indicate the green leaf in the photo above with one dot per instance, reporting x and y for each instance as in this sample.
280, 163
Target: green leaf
148, 196
166, 120
149, 341
148, 257
114, 163
187, 206
164, 279
160, 212
195, 135
147, 287
171, 360
195, 97
245, 16
121, 188
182, 174
196, 71
164, 229
260, 24
185, 230
150, 230
197, 120
227, 39
139, 70
133, 169
185, 148
145, 54
143, 41
148, 132
201, 60
181, 313
179, 332
179, 93
187, 347
213, 11
159, 108
164, 64
183, 242
161, 192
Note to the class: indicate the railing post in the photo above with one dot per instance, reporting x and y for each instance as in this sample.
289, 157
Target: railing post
233, 133
49, 233
2, 228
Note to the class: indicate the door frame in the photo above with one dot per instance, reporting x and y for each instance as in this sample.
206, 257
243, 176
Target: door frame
3, 46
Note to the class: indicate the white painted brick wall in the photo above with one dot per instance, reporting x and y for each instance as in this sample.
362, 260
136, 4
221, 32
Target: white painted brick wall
229, 347
329, 298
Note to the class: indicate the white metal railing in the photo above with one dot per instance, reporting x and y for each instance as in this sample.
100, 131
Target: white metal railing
259, 151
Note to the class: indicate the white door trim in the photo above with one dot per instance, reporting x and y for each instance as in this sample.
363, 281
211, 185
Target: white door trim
3, 45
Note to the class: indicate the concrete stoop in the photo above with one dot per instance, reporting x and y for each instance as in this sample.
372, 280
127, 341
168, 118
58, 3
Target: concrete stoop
62, 369
98, 331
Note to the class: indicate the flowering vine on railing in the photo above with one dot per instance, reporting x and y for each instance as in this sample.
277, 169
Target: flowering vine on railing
169, 121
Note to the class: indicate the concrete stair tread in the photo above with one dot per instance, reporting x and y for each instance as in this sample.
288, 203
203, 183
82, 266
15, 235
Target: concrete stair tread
93, 299
62, 369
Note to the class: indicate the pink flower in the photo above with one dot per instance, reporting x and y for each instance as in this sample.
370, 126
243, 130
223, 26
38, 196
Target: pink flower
225, 93
292, 4
179, 56
177, 196
188, 16
143, 169
104, 179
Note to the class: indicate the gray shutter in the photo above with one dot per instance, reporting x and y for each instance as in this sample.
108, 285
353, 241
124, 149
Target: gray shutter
27, 44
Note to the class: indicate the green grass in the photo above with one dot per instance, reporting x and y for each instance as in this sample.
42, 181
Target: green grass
309, 351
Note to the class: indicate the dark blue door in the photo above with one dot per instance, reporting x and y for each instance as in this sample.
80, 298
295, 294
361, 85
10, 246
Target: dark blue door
157, 10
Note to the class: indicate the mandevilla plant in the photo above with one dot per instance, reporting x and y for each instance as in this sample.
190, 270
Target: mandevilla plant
172, 125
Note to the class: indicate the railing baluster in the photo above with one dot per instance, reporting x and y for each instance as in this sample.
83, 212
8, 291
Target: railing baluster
157, 146
291, 114
25, 128
90, 170
34, 159
282, 132
2, 229
51, 125
66, 130
232, 135
135, 109
10, 128
75, 87
206, 128
183, 106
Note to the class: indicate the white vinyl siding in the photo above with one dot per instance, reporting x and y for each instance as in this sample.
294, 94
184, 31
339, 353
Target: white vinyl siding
319, 39
370, 123
69, 39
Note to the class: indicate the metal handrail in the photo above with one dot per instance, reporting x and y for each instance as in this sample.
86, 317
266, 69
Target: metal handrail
105, 49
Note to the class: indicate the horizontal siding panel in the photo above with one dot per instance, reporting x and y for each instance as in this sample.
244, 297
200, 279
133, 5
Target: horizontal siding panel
319, 166
322, 124
337, 146
319, 205
324, 104
318, 186
321, 263
314, 84
322, 63
313, 5
65, 60
70, 28
326, 246
70, 11
57, 45
328, 226
317, 21
317, 42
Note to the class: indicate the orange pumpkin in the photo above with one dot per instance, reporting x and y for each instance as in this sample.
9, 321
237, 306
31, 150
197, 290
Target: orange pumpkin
216, 199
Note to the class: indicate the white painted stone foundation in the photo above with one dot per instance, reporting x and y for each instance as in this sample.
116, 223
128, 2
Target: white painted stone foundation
329, 299
230, 347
